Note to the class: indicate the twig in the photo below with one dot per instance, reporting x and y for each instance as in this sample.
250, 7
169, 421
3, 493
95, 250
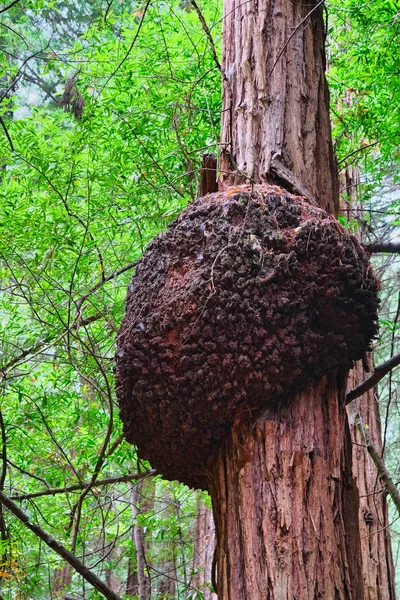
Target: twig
59, 549
207, 31
7, 134
378, 373
48, 341
107, 10
3, 10
357, 150
129, 49
293, 32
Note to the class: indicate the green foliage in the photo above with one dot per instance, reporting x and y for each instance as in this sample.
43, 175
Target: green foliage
364, 67
80, 199
79, 202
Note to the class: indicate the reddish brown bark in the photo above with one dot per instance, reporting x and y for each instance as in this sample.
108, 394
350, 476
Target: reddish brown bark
376, 553
285, 502
275, 97
62, 580
286, 507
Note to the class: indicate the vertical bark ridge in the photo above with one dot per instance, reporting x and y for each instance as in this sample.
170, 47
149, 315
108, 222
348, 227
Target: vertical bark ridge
373, 514
377, 574
278, 492
275, 97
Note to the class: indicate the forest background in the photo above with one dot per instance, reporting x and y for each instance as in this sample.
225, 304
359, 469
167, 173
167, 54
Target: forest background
106, 109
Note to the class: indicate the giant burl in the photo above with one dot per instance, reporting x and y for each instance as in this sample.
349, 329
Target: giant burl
252, 293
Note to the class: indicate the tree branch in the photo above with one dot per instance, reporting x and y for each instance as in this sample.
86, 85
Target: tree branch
375, 247
377, 374
59, 549
81, 486
383, 474
7, 134
2, 10
207, 31
78, 321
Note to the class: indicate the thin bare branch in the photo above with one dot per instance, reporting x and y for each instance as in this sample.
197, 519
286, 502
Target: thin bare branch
383, 473
378, 246
378, 373
293, 32
7, 134
48, 341
207, 31
3, 10
59, 549
80, 486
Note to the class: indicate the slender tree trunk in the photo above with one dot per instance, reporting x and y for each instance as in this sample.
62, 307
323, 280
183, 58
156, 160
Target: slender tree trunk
376, 552
138, 538
166, 560
204, 543
285, 503
62, 580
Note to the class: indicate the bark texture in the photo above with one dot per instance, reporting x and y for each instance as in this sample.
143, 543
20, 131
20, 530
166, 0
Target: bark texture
208, 175
275, 96
286, 507
376, 552
285, 501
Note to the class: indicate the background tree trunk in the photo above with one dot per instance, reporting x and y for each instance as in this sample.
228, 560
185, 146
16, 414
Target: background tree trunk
376, 551
138, 582
285, 503
166, 576
204, 544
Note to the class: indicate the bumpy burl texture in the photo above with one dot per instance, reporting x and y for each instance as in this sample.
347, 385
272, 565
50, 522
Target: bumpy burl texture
249, 295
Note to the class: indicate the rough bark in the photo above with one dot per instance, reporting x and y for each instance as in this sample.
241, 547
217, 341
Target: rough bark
285, 502
208, 175
275, 97
376, 552
286, 507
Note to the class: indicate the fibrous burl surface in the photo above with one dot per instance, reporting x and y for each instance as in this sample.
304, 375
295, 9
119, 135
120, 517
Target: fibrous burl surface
249, 295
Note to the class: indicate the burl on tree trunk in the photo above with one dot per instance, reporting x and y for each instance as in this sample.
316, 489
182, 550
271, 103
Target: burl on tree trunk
243, 318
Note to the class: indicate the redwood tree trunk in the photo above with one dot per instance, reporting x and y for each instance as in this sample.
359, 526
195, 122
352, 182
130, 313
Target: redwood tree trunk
285, 503
376, 552
286, 507
275, 97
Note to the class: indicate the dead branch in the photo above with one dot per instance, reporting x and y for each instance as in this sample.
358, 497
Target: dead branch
378, 246
80, 486
383, 473
377, 374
